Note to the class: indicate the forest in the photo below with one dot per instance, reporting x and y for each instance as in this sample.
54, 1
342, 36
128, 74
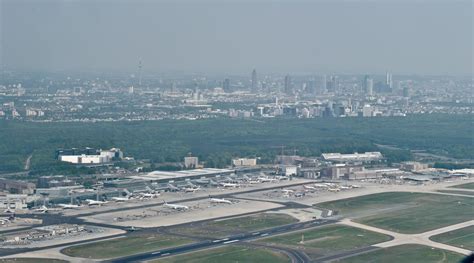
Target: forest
216, 141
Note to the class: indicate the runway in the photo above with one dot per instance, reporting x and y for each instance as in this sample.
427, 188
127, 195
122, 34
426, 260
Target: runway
235, 239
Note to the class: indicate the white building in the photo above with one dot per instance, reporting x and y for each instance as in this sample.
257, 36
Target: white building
353, 157
103, 157
244, 162
191, 162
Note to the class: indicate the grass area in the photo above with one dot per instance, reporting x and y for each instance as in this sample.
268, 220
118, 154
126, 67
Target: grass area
407, 254
32, 260
460, 192
464, 186
230, 254
405, 212
463, 238
327, 240
249, 223
124, 246
256, 222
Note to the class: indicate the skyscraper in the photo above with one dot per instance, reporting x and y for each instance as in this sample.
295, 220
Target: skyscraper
368, 85
324, 83
254, 81
389, 81
288, 88
226, 85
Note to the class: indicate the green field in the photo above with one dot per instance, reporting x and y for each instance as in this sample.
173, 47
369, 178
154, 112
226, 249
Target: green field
216, 141
327, 240
32, 260
229, 254
126, 246
463, 238
411, 253
405, 212
460, 192
221, 228
464, 186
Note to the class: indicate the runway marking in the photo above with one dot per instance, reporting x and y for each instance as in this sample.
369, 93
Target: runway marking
166, 254
256, 233
154, 253
262, 235
215, 241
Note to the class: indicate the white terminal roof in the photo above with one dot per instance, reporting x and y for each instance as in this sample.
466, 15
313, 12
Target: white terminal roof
157, 175
352, 156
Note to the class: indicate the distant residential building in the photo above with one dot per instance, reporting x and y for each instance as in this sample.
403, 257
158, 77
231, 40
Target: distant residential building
54, 181
14, 202
191, 162
375, 173
413, 166
16, 187
244, 162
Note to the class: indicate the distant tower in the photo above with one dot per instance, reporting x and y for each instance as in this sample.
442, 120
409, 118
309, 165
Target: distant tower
226, 85
254, 81
288, 89
324, 84
389, 81
140, 72
368, 85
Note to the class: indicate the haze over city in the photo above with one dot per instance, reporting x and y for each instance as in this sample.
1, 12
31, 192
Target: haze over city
405, 37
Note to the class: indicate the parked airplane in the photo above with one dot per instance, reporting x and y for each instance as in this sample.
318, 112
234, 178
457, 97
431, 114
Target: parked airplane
121, 199
149, 195
176, 207
91, 202
42, 209
68, 206
173, 188
4, 221
220, 201
230, 185
321, 185
309, 187
266, 179
191, 189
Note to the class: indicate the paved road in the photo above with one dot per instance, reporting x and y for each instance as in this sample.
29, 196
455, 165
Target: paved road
225, 241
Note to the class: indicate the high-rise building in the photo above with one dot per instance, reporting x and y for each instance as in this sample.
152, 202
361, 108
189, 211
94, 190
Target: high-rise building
368, 85
288, 87
226, 85
332, 84
254, 81
311, 87
389, 81
324, 83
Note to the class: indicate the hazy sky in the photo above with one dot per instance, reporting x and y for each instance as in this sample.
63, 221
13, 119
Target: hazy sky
423, 37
